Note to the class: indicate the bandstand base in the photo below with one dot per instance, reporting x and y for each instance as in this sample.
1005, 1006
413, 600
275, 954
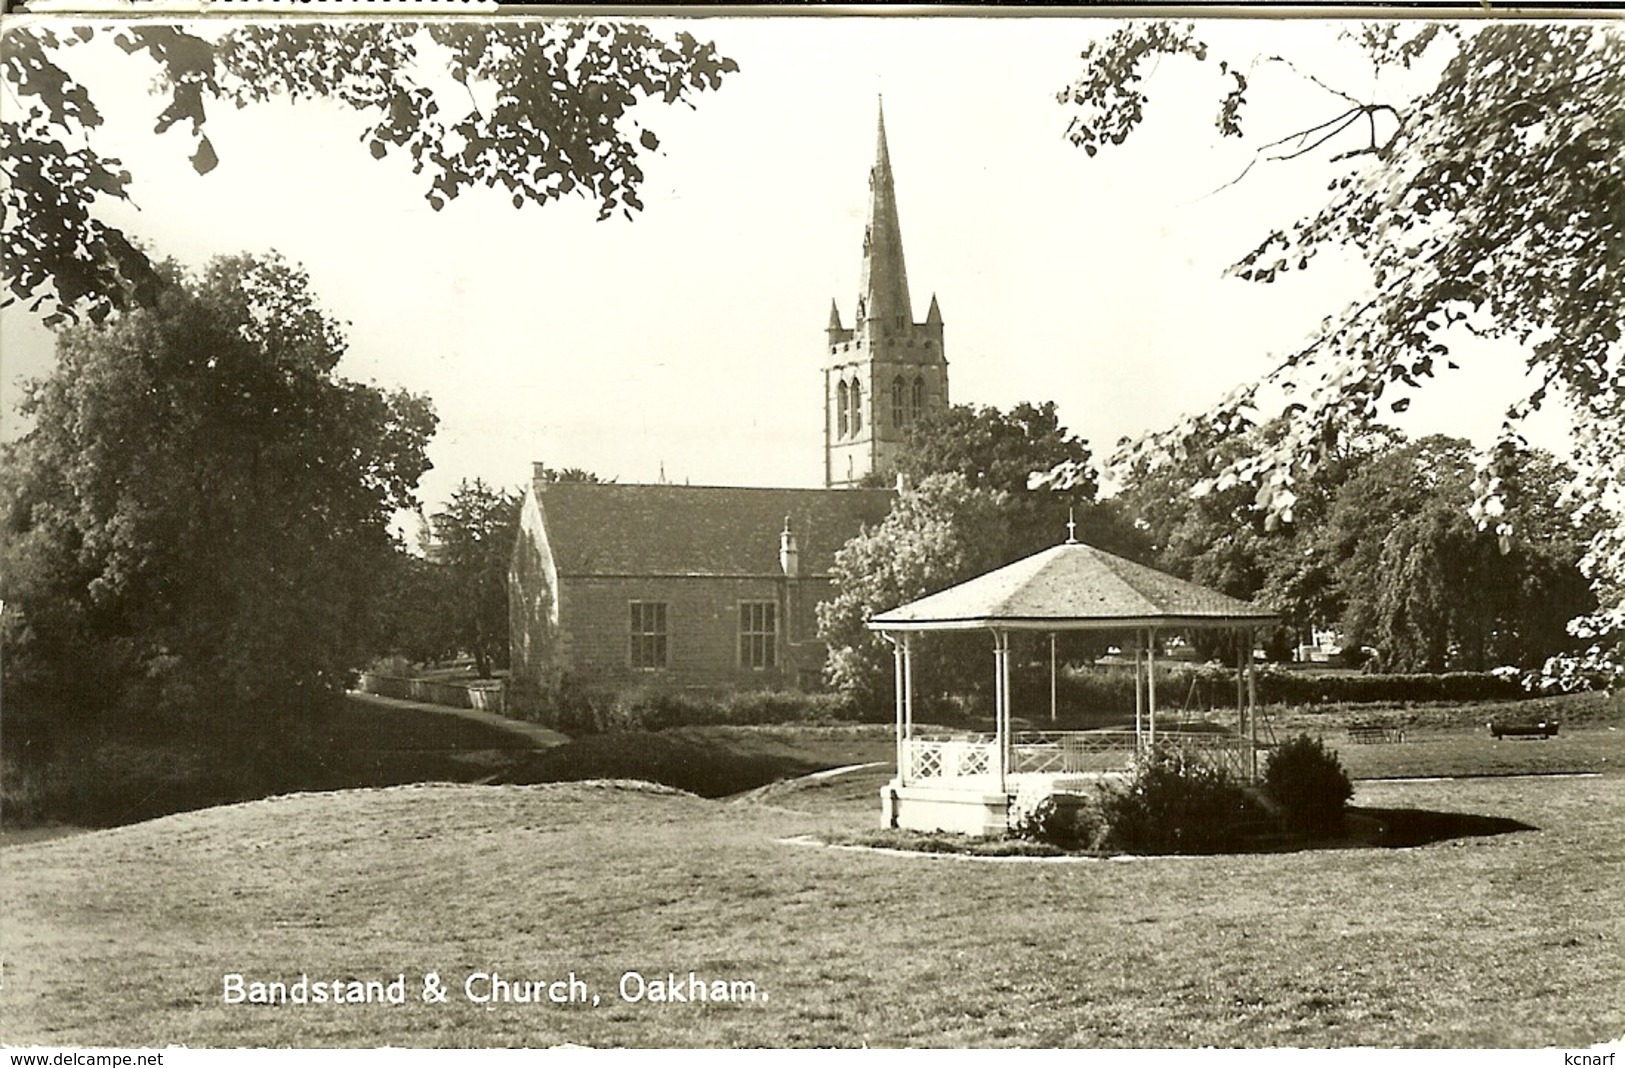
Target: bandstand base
923, 808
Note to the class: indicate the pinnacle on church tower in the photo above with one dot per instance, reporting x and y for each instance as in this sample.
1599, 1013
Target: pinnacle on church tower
886, 371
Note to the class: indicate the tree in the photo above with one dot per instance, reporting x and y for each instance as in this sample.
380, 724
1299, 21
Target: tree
939, 532
473, 539
1487, 203
199, 521
942, 530
413, 616
541, 108
555, 475
1219, 538
1419, 582
998, 451
995, 450
967, 509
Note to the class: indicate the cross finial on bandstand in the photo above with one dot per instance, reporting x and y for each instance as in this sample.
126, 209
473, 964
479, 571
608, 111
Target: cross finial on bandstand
1071, 528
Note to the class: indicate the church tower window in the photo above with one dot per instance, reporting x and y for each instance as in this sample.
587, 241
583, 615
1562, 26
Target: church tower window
841, 409
899, 402
917, 400
857, 408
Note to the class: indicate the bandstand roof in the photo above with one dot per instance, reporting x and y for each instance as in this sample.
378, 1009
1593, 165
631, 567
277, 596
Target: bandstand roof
1073, 586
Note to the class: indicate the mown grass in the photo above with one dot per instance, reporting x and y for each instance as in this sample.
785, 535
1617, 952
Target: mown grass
122, 936
1446, 753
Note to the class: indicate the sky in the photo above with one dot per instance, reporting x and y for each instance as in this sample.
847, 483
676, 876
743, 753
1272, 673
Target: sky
687, 343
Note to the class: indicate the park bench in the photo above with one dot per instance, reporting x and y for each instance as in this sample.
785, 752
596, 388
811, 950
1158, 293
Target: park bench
1542, 729
1373, 733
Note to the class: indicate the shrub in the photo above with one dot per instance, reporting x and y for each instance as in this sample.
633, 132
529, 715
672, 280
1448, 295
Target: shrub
1173, 803
395, 666
1066, 821
1308, 781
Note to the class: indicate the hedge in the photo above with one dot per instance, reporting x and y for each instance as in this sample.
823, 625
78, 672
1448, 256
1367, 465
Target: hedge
1200, 687
576, 709
1082, 695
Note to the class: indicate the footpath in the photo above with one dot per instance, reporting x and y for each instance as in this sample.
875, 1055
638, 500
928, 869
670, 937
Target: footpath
530, 735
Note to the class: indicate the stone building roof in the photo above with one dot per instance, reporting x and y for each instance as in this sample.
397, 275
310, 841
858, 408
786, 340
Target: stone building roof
613, 529
1073, 587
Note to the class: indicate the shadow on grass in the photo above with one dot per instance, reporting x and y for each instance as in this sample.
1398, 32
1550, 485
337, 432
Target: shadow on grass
120, 773
712, 763
1365, 828
1398, 828
125, 775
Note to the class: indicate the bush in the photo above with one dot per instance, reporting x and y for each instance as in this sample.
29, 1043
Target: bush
1175, 804
1308, 781
1066, 821
394, 666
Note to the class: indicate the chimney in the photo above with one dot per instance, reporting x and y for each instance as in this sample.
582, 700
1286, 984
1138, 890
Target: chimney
789, 555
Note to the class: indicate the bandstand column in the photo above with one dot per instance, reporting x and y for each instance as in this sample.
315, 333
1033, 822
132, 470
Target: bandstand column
908, 686
1139, 692
1001, 704
1052, 703
1151, 681
898, 671
1252, 710
1241, 691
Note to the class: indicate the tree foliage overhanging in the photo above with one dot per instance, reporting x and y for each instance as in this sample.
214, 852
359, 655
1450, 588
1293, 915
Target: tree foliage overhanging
542, 108
1491, 203
199, 520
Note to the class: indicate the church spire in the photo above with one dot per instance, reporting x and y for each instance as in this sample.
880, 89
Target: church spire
883, 286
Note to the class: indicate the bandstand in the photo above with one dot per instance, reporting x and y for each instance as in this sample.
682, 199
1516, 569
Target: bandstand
965, 782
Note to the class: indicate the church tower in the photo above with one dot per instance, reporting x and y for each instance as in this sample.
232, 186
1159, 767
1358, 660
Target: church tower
886, 371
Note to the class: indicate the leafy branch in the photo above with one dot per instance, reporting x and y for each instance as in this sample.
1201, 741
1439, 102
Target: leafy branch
564, 123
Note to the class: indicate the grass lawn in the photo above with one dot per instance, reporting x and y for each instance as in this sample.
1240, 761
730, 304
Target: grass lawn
122, 936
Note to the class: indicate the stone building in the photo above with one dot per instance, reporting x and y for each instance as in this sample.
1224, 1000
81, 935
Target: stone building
688, 585
709, 586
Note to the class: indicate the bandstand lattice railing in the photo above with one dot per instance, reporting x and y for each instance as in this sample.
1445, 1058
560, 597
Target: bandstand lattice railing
938, 758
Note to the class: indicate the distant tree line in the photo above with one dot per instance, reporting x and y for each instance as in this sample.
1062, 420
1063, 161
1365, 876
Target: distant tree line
1382, 546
